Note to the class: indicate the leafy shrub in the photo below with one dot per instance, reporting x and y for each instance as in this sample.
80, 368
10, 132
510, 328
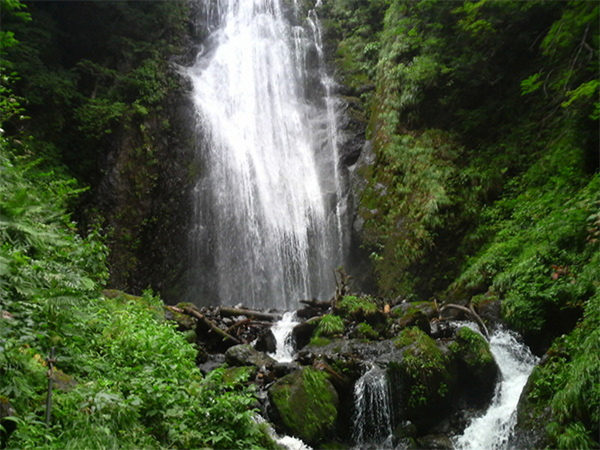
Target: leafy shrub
330, 325
134, 380
352, 305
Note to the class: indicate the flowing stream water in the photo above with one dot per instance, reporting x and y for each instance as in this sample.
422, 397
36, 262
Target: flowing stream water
282, 331
268, 204
373, 409
493, 429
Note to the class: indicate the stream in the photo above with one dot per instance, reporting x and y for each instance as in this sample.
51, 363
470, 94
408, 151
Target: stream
493, 429
373, 409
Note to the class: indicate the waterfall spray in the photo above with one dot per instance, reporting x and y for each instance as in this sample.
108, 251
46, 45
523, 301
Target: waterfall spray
268, 204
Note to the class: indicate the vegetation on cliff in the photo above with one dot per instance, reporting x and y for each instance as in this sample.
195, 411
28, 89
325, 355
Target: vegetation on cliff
485, 187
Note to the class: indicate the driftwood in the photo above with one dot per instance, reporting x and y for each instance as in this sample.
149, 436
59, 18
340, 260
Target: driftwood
227, 311
248, 321
207, 322
471, 312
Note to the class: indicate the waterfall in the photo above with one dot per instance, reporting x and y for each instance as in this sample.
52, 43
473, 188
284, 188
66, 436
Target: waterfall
492, 430
268, 204
282, 330
372, 409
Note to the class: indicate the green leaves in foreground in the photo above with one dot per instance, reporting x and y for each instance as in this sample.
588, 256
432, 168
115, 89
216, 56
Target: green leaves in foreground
125, 378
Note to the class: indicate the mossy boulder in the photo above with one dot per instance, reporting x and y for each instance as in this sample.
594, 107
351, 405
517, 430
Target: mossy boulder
360, 309
305, 404
413, 314
476, 365
423, 378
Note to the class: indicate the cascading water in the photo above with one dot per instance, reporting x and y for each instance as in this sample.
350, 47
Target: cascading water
282, 330
268, 206
372, 409
492, 430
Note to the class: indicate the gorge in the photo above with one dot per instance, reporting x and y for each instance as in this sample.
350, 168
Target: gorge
326, 223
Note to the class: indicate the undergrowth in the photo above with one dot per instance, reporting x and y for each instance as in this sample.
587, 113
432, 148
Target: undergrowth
124, 378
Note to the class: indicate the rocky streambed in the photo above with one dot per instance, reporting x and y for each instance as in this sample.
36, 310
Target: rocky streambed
433, 363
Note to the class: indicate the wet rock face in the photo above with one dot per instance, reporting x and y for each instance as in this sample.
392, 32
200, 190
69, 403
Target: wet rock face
246, 355
304, 404
266, 342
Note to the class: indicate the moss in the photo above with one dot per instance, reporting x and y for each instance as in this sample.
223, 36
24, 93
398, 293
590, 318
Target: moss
564, 388
424, 372
366, 331
306, 404
473, 348
319, 341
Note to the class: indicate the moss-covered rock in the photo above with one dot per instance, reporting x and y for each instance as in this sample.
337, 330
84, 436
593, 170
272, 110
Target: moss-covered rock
412, 314
304, 404
365, 308
476, 365
423, 378
364, 330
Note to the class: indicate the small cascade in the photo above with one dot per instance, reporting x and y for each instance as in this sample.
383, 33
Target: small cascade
373, 409
493, 429
282, 330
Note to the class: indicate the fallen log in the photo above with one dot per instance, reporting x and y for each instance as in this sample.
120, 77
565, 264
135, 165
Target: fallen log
227, 311
210, 324
472, 313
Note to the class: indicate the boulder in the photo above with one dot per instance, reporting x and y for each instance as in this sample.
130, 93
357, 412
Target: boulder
435, 441
304, 404
303, 332
476, 365
266, 342
422, 379
246, 355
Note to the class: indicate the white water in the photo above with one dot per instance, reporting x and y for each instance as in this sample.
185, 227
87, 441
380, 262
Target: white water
372, 409
268, 206
292, 443
282, 330
492, 430
285, 441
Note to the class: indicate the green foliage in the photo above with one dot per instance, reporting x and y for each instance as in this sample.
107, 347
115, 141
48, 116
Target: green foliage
541, 261
351, 305
329, 325
97, 117
404, 202
568, 381
366, 331
125, 377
